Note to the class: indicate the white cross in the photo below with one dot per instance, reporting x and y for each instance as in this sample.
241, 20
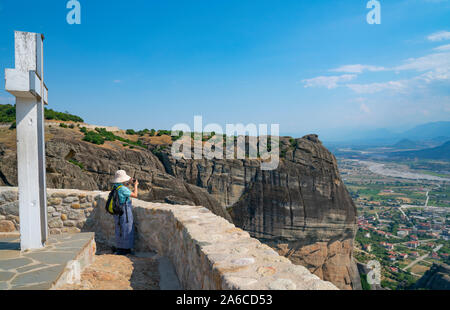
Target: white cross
26, 83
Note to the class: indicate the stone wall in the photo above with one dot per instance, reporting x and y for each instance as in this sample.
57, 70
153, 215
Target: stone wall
69, 211
207, 251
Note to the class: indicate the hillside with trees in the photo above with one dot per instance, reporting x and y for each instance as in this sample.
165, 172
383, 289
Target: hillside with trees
8, 115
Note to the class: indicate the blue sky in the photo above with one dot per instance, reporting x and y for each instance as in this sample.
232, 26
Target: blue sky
311, 66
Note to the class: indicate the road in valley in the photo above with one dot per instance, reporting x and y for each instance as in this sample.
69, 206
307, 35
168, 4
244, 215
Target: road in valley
437, 248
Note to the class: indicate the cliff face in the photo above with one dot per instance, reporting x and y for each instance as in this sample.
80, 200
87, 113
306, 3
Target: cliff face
302, 209
436, 278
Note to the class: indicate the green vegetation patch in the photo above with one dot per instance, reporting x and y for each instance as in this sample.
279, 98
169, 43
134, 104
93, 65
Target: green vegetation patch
8, 115
159, 149
293, 142
365, 285
100, 135
76, 163
93, 137
60, 116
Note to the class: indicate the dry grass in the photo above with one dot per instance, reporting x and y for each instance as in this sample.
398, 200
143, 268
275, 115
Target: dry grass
419, 269
8, 138
405, 199
162, 140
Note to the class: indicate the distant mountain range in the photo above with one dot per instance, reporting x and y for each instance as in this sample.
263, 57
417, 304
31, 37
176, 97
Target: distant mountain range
440, 152
406, 144
428, 131
422, 136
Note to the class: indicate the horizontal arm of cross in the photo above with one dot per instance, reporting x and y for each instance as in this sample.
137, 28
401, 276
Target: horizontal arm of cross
25, 84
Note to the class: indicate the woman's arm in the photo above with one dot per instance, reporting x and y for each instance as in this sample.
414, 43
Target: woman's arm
134, 194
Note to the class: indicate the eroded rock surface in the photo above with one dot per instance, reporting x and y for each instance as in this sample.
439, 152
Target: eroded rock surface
437, 278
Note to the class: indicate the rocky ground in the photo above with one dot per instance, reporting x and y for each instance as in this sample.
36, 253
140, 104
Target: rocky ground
436, 278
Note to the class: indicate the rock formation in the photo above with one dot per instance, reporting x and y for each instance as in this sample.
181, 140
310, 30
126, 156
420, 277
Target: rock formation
436, 278
302, 209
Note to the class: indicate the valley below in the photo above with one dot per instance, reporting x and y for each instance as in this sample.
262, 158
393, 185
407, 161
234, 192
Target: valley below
395, 171
403, 217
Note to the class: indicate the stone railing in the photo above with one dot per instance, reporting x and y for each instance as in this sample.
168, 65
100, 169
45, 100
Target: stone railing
206, 250
69, 211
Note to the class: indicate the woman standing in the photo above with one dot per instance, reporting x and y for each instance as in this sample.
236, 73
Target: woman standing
124, 229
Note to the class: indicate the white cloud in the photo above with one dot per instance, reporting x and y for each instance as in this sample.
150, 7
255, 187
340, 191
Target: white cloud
442, 48
428, 62
440, 74
434, 67
439, 36
329, 82
378, 87
358, 68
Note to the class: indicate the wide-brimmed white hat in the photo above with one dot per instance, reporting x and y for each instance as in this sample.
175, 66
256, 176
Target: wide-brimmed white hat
120, 177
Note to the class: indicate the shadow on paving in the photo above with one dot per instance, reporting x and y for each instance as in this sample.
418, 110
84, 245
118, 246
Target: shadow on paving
15, 246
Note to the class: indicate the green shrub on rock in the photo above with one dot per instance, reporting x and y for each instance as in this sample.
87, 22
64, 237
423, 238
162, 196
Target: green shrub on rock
93, 137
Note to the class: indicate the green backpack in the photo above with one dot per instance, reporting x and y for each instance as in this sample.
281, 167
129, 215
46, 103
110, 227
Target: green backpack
113, 202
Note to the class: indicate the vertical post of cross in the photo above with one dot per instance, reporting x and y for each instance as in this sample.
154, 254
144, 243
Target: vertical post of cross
26, 83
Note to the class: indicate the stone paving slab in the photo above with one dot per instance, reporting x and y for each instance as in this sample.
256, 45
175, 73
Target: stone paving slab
38, 269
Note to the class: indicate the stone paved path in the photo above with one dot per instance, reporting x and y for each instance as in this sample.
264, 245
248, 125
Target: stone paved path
37, 269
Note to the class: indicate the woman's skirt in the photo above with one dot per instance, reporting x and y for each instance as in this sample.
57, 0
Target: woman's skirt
124, 227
